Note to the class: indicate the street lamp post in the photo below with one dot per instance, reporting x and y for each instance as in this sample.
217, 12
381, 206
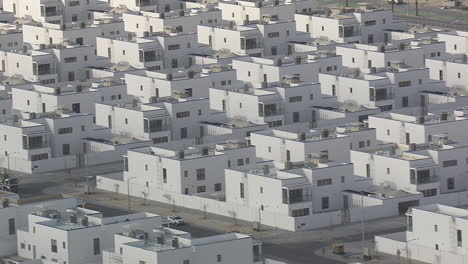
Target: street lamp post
128, 193
362, 224
8, 162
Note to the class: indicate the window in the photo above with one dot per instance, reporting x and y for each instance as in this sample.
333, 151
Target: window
300, 212
361, 144
164, 175
218, 187
436, 246
96, 246
201, 174
83, 128
66, 149
219, 258
173, 47
70, 60
242, 195
160, 140
404, 83
11, 226
65, 130
294, 99
64, 245
53, 245
342, 179
388, 132
174, 63
183, 114
247, 161
429, 192
273, 35
74, 3
449, 163
186, 261
459, 238
42, 156
436, 228
325, 202
183, 132
450, 183
23, 246
404, 101
296, 117
388, 170
201, 189
370, 23
324, 182
240, 162
296, 196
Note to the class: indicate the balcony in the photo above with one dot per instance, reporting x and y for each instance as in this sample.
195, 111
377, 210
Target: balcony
42, 69
268, 113
425, 180
149, 56
381, 97
258, 259
50, 11
36, 146
250, 43
348, 32
267, 110
143, 3
35, 142
152, 126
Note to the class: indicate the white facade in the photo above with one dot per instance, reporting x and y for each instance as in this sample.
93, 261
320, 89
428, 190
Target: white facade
435, 233
14, 213
60, 235
165, 245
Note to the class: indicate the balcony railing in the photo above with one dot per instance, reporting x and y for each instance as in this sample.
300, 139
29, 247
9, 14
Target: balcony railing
381, 98
267, 113
258, 258
349, 34
305, 198
36, 146
426, 180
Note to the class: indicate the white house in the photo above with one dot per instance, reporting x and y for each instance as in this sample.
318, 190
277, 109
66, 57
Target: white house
14, 213
166, 245
435, 233
58, 235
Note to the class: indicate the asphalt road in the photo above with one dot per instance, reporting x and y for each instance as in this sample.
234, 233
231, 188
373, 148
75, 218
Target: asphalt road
290, 247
